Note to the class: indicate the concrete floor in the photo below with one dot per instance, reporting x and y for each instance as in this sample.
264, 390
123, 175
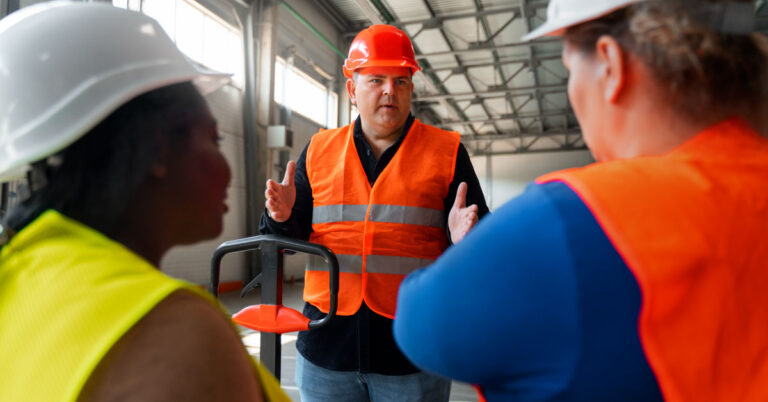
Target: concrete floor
460, 392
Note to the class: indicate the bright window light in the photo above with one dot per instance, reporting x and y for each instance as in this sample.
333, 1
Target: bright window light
332, 110
164, 11
304, 95
200, 34
189, 30
134, 5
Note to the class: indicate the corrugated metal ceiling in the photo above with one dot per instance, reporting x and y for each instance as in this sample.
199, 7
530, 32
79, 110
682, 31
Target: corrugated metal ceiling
502, 95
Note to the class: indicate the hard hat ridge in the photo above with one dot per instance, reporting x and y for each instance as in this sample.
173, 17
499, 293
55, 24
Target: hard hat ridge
380, 46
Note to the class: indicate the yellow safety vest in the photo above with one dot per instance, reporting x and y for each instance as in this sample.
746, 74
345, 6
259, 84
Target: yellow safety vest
381, 233
67, 295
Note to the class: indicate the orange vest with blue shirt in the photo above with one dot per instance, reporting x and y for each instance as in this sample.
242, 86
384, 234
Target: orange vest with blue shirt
692, 227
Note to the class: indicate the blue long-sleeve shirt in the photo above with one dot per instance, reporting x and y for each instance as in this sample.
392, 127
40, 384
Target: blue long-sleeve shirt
534, 304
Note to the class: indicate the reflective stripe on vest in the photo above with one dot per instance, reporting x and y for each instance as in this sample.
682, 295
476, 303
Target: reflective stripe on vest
338, 213
379, 264
379, 213
379, 232
397, 265
350, 264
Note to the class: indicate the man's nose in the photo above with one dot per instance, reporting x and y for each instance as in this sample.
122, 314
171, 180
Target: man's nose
389, 87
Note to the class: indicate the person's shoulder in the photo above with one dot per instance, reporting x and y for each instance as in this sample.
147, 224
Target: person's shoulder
184, 349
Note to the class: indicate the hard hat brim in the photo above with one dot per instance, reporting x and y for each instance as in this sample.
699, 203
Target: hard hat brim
349, 72
44, 119
111, 93
558, 28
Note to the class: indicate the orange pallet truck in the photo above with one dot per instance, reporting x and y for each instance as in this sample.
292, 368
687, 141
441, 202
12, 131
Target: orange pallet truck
270, 317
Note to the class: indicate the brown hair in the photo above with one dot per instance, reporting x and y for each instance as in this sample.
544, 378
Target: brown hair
703, 71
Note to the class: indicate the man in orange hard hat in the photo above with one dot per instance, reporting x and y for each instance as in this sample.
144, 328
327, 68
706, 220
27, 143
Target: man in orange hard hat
387, 194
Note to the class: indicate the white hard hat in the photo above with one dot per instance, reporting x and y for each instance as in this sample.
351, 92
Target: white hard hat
562, 14
66, 66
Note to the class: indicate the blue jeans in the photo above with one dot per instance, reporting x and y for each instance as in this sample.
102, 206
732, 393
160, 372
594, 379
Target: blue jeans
317, 384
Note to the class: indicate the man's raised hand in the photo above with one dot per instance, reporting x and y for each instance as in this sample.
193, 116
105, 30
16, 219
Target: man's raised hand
280, 197
462, 217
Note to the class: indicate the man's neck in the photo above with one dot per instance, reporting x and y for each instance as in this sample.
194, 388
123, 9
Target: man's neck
379, 142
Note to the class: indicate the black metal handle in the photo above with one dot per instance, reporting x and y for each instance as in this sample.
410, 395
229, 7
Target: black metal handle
278, 244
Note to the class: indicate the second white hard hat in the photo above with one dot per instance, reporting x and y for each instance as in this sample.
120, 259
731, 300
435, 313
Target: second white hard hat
66, 66
562, 14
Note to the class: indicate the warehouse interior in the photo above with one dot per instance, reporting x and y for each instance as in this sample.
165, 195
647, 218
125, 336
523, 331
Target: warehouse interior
507, 98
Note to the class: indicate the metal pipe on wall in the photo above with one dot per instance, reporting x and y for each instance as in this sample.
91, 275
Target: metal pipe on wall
260, 40
9, 6
312, 29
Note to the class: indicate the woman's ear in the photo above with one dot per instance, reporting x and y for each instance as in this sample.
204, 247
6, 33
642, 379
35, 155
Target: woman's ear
612, 59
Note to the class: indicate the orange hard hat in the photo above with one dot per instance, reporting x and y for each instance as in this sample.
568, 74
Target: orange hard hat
380, 46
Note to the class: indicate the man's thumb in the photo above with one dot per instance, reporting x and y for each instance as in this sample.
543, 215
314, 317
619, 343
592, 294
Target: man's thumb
290, 171
461, 196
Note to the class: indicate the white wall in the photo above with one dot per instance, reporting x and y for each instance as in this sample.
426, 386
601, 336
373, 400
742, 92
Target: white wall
511, 173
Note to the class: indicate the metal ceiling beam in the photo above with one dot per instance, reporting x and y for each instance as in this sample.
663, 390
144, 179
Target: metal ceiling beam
370, 12
460, 65
543, 89
503, 62
438, 20
489, 41
517, 134
527, 25
509, 117
485, 48
519, 151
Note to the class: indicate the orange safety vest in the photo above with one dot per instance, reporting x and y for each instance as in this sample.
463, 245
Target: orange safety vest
692, 225
381, 233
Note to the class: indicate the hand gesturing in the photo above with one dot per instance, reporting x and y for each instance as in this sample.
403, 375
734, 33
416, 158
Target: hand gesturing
281, 196
462, 217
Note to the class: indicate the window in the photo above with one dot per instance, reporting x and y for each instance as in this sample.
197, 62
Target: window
303, 94
200, 34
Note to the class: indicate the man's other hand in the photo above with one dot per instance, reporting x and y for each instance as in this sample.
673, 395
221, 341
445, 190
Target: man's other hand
281, 196
462, 217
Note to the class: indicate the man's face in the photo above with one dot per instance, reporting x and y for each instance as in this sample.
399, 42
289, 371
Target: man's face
383, 98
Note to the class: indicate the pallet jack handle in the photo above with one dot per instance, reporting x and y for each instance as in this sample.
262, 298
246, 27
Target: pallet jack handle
271, 315
271, 318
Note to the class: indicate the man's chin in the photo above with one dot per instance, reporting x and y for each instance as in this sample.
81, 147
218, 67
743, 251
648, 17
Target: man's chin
392, 120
